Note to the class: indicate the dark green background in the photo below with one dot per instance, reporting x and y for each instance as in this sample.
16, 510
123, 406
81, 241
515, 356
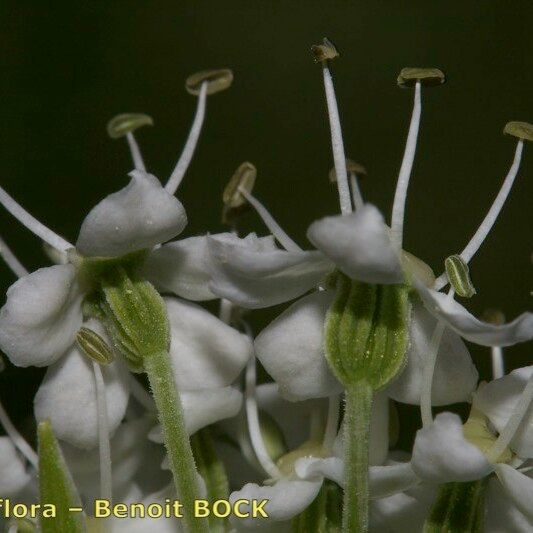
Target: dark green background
67, 67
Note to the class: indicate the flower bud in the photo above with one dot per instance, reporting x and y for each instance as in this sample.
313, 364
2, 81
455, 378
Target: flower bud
459, 276
325, 51
217, 80
125, 123
94, 346
426, 76
521, 130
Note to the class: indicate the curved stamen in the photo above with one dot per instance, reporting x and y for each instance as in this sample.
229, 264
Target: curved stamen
135, 152
400, 196
510, 429
106, 487
270, 222
332, 422
357, 197
254, 428
11, 260
188, 150
429, 370
32, 223
337, 143
498, 364
481, 234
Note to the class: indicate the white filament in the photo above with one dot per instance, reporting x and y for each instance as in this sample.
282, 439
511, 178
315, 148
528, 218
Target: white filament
188, 150
498, 366
510, 429
481, 234
17, 439
357, 197
429, 370
32, 223
225, 310
400, 196
270, 222
337, 144
11, 260
332, 422
104, 447
254, 428
135, 152
140, 393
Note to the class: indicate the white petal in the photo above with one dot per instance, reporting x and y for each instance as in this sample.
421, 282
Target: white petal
502, 515
139, 216
379, 432
468, 326
13, 474
204, 407
291, 349
181, 267
441, 453
253, 273
316, 468
286, 498
455, 377
67, 397
359, 245
391, 479
41, 316
498, 400
205, 351
518, 487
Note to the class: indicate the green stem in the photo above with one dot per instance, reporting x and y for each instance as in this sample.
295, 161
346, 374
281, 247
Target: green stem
356, 429
167, 400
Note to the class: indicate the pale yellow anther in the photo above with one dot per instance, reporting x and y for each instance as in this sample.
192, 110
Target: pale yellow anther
351, 167
217, 80
520, 130
242, 179
125, 123
493, 316
94, 346
427, 77
325, 51
307, 449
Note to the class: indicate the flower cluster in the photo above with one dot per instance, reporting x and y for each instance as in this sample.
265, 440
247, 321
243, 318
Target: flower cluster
148, 396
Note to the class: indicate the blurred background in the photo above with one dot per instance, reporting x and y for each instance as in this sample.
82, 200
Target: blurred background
68, 67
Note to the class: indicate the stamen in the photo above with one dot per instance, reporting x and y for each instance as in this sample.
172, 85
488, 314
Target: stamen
337, 143
429, 371
135, 152
400, 196
32, 223
498, 365
254, 428
270, 223
106, 487
332, 422
188, 150
17, 439
357, 197
225, 310
510, 429
11, 260
481, 234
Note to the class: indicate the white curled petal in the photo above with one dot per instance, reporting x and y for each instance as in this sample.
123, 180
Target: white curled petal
441, 453
455, 316
254, 273
291, 349
204, 407
498, 399
316, 468
518, 487
67, 397
139, 216
13, 474
502, 514
359, 244
286, 498
378, 441
387, 480
41, 316
181, 267
455, 377
205, 352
